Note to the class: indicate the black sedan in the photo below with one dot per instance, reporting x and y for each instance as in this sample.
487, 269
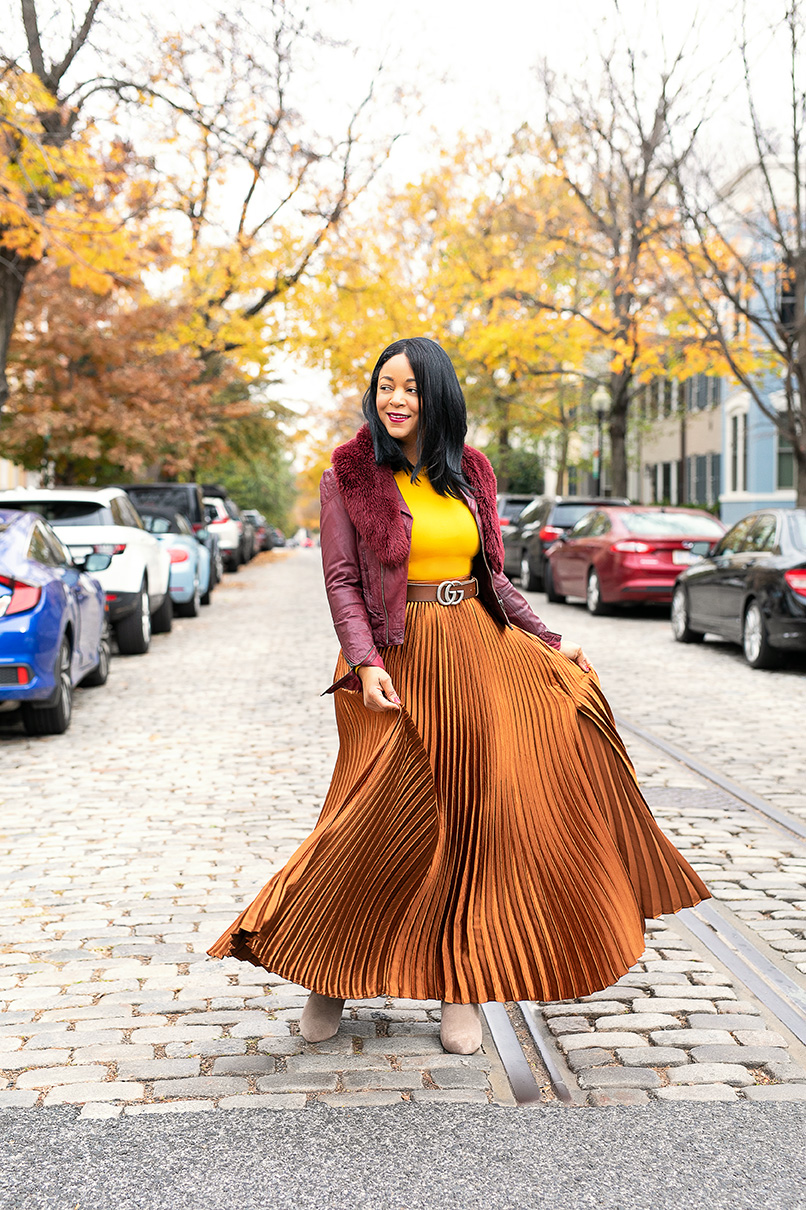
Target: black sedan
541, 523
750, 588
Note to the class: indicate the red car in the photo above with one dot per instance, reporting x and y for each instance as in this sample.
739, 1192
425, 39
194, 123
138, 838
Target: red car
624, 554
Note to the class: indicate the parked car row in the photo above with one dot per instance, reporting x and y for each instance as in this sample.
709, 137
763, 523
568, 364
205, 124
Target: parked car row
81, 565
747, 585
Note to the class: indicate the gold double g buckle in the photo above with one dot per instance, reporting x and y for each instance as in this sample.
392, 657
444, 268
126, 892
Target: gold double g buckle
450, 592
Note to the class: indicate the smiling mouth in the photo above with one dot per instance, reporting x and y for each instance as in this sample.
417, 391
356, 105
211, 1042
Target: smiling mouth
398, 417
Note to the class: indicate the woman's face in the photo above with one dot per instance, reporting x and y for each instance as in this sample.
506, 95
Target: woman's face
398, 403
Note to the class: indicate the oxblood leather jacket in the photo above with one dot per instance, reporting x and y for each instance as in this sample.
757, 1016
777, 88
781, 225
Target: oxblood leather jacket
366, 538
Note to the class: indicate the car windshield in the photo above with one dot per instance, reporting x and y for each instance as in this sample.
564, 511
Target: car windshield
567, 515
671, 525
65, 512
797, 523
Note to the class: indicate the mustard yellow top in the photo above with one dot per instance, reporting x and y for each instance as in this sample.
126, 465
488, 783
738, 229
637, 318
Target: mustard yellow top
444, 535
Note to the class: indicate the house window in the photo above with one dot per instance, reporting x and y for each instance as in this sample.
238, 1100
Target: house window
786, 462
666, 482
700, 479
738, 452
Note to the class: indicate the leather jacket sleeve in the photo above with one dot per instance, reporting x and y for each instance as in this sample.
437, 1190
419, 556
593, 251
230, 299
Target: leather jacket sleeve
342, 570
521, 614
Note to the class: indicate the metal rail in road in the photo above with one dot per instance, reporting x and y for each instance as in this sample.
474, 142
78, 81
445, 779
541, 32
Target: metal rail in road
769, 983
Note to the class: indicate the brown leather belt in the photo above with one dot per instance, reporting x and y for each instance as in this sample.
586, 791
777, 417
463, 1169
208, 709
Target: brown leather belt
445, 592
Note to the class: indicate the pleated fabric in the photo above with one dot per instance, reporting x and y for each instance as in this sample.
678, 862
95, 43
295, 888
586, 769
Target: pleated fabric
487, 842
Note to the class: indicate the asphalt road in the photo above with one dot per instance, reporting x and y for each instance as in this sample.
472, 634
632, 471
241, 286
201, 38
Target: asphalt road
409, 1158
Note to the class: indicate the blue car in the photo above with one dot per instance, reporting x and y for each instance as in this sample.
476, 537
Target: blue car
53, 632
191, 581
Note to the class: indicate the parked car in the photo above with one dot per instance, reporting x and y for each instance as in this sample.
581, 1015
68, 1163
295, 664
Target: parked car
750, 588
104, 521
264, 537
279, 538
228, 531
190, 582
626, 554
53, 630
541, 523
510, 507
184, 498
246, 540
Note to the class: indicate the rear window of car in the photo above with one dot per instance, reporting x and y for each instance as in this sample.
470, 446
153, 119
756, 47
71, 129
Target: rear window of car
797, 523
156, 525
65, 512
671, 525
214, 508
567, 515
170, 496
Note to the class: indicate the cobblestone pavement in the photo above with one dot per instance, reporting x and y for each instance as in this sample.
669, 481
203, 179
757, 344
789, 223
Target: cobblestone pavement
129, 844
702, 697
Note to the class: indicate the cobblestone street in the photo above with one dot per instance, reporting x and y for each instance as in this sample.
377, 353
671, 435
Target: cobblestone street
130, 843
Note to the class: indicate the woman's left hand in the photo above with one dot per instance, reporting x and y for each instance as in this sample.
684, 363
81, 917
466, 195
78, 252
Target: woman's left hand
573, 652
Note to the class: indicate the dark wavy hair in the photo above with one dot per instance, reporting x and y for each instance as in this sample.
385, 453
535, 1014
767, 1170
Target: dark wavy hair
442, 421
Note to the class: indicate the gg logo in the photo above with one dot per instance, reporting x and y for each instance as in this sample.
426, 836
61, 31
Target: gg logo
450, 592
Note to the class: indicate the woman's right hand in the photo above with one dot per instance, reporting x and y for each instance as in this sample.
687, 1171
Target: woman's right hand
379, 692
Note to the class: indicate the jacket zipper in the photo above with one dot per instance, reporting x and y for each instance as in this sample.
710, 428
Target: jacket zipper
385, 611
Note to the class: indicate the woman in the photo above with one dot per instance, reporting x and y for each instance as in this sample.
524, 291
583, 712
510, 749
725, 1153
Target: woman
483, 837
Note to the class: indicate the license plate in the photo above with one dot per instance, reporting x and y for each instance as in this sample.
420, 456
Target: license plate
684, 556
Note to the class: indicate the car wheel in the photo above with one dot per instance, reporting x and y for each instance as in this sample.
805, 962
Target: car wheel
755, 639
99, 675
680, 620
191, 608
529, 581
207, 597
548, 580
55, 719
162, 619
133, 633
233, 562
593, 595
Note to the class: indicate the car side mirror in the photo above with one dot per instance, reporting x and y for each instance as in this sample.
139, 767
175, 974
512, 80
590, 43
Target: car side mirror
93, 562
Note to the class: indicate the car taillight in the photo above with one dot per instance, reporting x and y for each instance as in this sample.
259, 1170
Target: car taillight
197, 525
23, 596
632, 548
503, 520
219, 520
796, 581
550, 533
110, 548
177, 555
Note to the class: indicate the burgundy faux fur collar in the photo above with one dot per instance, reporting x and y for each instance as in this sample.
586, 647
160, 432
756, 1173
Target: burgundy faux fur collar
374, 503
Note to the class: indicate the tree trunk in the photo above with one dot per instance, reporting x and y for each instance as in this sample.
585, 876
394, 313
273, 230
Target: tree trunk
503, 475
562, 465
13, 270
620, 395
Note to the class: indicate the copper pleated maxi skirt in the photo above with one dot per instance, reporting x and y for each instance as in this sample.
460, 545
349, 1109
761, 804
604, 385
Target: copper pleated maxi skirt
487, 842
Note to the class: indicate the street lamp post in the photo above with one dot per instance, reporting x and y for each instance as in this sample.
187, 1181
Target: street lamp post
600, 402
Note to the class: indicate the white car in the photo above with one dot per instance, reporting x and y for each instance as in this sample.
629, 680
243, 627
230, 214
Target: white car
228, 530
105, 521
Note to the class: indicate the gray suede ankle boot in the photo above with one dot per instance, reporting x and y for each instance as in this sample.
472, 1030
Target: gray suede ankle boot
320, 1018
460, 1030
